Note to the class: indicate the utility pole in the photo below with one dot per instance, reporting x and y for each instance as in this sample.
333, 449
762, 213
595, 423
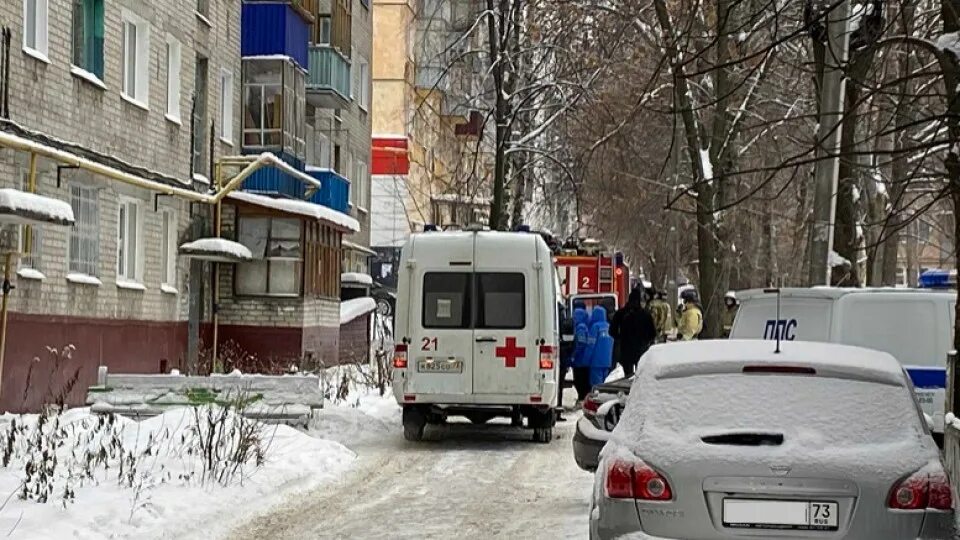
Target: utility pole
828, 143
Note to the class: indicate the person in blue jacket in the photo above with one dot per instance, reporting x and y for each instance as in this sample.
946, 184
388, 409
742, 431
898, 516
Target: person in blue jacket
599, 345
581, 362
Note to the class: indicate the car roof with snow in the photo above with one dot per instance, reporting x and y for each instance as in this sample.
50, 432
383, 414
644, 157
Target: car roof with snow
441, 248
713, 357
828, 293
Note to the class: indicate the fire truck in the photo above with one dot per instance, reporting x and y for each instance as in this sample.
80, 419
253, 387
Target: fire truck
593, 274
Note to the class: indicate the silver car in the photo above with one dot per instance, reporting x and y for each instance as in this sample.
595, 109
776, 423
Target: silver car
729, 439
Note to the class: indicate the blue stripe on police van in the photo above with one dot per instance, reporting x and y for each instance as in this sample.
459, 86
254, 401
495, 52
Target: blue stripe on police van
928, 377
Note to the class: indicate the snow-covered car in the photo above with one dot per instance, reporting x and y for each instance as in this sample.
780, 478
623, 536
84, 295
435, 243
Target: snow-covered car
601, 410
728, 439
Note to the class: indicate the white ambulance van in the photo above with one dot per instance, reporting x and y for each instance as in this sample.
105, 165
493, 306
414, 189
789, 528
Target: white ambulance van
914, 325
476, 330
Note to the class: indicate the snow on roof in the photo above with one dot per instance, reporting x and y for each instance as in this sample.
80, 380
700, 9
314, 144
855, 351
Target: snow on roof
356, 278
457, 198
358, 307
298, 207
21, 207
216, 249
835, 259
357, 247
729, 356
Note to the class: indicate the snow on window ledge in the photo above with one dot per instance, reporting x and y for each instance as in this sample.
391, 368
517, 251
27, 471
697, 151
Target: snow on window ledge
173, 119
227, 142
169, 289
130, 285
36, 55
87, 76
83, 279
362, 209
31, 273
135, 102
197, 177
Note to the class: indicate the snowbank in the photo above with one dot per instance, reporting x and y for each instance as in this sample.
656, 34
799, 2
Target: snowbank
298, 207
356, 278
166, 499
351, 309
21, 207
216, 249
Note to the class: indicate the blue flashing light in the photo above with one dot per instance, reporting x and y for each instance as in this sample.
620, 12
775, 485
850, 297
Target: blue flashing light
523, 228
430, 227
938, 279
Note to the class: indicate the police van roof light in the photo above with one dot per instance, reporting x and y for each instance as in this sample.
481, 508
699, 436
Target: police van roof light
430, 227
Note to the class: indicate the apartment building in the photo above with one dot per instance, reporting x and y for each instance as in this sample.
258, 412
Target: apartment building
147, 89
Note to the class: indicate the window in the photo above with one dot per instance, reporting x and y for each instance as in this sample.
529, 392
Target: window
274, 106
200, 115
173, 79
168, 248
323, 30
446, 300
136, 59
363, 97
129, 232
359, 184
501, 300
35, 26
203, 7
275, 244
321, 261
85, 233
226, 107
88, 36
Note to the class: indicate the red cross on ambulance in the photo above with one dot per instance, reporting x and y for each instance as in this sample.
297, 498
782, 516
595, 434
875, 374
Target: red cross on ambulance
510, 352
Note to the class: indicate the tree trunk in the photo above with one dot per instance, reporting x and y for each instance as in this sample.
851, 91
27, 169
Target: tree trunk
495, 27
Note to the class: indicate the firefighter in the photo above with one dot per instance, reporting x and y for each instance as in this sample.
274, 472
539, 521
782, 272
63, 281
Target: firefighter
691, 318
662, 315
599, 347
581, 358
731, 306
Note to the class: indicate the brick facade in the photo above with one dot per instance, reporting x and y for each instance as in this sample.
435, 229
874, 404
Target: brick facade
128, 329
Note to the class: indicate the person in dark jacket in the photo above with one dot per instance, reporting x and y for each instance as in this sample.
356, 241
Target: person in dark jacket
633, 328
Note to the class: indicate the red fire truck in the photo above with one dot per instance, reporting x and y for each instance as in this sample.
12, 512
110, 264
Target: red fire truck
593, 274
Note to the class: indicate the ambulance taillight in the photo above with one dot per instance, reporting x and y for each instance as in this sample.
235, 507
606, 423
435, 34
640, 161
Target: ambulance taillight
400, 356
548, 357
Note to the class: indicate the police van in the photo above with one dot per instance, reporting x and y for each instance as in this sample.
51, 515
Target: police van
477, 330
915, 326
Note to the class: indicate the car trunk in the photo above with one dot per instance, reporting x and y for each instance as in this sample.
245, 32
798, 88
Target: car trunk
777, 456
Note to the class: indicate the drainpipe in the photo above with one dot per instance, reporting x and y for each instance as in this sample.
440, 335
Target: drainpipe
215, 277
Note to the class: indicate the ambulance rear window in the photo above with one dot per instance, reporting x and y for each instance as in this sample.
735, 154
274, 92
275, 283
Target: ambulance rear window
446, 300
501, 298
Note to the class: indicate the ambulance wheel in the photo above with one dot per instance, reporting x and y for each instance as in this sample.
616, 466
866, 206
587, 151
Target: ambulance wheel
479, 417
413, 423
543, 435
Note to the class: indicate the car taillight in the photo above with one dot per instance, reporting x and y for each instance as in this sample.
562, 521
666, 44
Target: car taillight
591, 404
400, 356
926, 488
548, 356
636, 480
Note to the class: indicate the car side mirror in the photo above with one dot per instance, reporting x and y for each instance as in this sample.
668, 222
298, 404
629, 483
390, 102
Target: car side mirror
929, 420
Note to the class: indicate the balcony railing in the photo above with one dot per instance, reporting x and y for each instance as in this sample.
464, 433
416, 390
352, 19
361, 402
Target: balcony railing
335, 190
328, 80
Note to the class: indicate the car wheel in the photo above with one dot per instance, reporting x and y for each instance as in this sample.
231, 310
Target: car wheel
543, 435
414, 421
479, 418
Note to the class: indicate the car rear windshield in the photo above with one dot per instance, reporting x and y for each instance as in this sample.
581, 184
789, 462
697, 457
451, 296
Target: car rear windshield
491, 300
821, 409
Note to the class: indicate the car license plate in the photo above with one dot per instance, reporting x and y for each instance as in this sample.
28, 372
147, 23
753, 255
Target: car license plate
440, 365
790, 515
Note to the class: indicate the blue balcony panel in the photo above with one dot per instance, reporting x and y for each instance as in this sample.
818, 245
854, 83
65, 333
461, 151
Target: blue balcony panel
274, 28
335, 190
328, 78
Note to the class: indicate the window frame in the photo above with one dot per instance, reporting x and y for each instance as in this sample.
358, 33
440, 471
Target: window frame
40, 47
479, 318
363, 74
466, 310
124, 230
174, 63
84, 232
88, 54
140, 59
226, 106
299, 278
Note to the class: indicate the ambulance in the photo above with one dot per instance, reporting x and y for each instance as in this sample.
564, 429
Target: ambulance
476, 330
915, 326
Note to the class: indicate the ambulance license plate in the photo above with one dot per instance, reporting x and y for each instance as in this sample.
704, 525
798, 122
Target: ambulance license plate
440, 366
